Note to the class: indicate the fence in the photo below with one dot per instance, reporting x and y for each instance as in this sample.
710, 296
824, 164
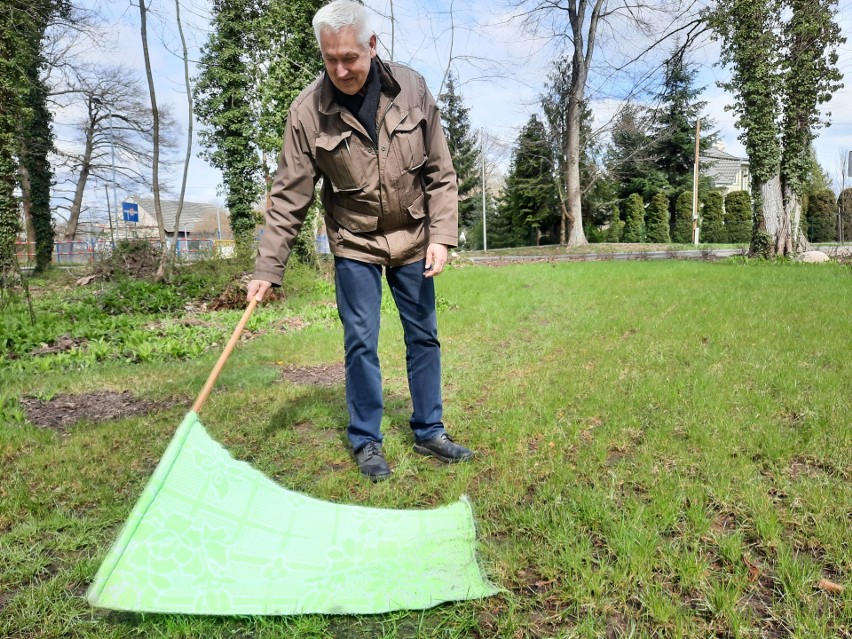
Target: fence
78, 253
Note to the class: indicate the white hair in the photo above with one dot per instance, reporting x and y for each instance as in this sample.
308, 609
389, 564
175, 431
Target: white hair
343, 13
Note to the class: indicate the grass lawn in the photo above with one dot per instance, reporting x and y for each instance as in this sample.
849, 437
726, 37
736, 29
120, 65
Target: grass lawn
665, 451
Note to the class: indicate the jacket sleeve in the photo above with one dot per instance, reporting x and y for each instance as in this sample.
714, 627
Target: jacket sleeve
439, 177
291, 196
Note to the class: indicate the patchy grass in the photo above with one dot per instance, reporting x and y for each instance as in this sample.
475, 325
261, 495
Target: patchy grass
664, 451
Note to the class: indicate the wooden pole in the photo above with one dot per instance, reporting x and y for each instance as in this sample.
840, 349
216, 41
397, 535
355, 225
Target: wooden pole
695, 175
211, 380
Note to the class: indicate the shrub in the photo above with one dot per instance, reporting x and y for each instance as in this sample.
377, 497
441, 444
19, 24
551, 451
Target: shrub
634, 219
140, 296
616, 226
738, 217
821, 216
713, 219
682, 231
657, 221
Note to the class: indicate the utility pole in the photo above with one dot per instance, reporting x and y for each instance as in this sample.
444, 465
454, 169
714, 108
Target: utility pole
695, 175
482, 153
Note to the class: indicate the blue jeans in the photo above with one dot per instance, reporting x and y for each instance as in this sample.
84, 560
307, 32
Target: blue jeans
359, 300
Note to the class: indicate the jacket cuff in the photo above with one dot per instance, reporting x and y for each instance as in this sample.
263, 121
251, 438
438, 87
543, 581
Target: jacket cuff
269, 276
449, 241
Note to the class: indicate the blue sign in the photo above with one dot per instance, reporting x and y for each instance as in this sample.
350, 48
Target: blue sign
130, 211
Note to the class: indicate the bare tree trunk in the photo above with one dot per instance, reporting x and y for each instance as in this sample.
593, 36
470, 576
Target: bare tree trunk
189, 127
775, 222
77, 201
155, 177
798, 239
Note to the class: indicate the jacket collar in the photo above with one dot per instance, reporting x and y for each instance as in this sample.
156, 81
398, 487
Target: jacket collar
327, 104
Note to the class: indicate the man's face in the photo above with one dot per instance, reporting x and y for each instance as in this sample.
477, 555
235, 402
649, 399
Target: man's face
346, 60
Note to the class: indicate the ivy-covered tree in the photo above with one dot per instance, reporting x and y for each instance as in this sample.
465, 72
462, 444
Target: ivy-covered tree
35, 170
783, 59
822, 216
22, 125
673, 131
713, 219
464, 151
530, 201
657, 220
738, 217
634, 219
226, 100
288, 50
682, 230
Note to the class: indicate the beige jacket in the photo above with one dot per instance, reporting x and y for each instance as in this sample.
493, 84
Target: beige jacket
383, 203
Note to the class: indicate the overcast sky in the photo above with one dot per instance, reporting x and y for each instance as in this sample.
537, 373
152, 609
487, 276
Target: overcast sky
501, 65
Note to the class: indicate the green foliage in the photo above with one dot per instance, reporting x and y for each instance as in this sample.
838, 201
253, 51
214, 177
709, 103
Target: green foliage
616, 226
630, 158
530, 200
713, 229
634, 219
139, 296
811, 36
657, 220
673, 132
821, 217
225, 103
738, 217
682, 229
464, 151
286, 41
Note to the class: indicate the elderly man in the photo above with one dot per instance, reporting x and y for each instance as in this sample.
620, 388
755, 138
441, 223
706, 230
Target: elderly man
371, 130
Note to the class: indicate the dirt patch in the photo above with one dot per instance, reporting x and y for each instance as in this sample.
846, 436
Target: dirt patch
61, 344
65, 410
325, 375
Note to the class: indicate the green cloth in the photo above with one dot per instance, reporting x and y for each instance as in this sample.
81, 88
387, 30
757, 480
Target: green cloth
211, 535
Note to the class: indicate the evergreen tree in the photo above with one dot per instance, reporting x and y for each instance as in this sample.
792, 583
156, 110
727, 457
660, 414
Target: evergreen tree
657, 220
738, 217
616, 226
682, 231
674, 129
464, 151
822, 216
530, 201
226, 101
630, 158
634, 219
713, 219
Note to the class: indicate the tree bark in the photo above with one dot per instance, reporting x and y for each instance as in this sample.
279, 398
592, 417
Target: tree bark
189, 126
77, 201
155, 176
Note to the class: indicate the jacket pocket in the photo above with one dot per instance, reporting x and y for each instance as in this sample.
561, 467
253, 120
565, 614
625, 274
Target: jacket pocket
340, 162
354, 221
417, 210
408, 141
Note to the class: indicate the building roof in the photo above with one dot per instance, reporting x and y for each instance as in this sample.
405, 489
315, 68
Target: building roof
191, 214
723, 167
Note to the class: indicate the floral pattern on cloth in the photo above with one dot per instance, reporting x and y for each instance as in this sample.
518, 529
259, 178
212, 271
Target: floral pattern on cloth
211, 535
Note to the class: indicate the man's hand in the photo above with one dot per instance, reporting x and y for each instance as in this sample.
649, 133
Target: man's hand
257, 289
436, 258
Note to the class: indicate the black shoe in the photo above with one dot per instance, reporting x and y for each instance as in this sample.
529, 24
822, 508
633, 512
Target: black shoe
371, 461
444, 448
